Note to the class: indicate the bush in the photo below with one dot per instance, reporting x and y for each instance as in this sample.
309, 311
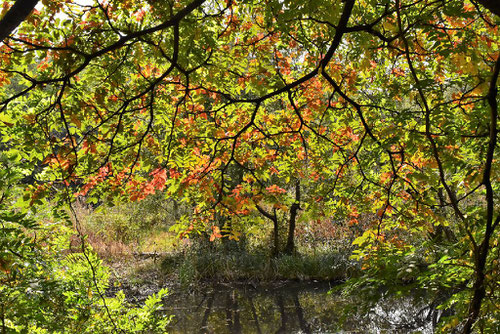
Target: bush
55, 291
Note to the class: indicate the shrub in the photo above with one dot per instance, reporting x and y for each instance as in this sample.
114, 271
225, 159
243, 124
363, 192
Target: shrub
51, 290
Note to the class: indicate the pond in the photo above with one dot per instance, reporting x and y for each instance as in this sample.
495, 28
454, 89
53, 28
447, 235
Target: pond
294, 307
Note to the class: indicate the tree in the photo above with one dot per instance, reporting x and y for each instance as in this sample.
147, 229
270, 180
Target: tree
392, 105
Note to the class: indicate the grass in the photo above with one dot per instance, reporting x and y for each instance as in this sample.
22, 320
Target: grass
119, 232
216, 264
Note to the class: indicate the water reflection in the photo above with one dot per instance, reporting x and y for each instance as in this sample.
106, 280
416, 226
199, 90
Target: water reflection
294, 308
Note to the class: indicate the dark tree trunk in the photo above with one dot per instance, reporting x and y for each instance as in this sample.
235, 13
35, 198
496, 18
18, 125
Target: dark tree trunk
294, 209
477, 299
481, 252
276, 235
15, 16
274, 218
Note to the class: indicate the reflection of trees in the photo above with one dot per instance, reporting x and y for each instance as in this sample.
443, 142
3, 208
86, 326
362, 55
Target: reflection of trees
287, 323
233, 313
304, 326
208, 309
284, 316
298, 309
254, 315
405, 314
239, 309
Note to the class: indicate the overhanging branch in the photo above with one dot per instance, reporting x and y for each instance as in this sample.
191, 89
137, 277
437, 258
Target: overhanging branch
15, 16
492, 5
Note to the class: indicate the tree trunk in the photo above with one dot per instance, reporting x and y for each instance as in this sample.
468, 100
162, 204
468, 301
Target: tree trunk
479, 290
276, 235
481, 252
290, 243
274, 218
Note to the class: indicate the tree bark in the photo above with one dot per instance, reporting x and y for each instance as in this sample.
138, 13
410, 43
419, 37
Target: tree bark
276, 235
274, 218
481, 255
15, 16
290, 243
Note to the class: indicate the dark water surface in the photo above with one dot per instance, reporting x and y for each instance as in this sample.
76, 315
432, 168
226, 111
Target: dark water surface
293, 308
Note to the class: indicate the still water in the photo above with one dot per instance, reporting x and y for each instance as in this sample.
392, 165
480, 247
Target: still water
294, 308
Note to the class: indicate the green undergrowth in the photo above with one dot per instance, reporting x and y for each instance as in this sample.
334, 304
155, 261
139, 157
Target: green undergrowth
47, 288
215, 263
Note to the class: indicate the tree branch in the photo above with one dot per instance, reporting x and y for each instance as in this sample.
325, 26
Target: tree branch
492, 5
15, 16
